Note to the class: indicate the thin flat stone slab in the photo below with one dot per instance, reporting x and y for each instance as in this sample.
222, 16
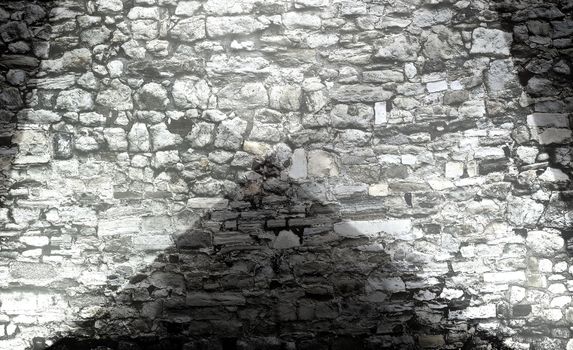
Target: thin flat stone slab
359, 93
557, 120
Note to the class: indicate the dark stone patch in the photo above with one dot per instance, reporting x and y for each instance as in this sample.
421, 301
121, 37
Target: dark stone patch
63, 145
521, 310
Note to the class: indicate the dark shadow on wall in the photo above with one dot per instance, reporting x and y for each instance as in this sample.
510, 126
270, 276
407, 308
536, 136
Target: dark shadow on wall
542, 53
24, 41
278, 268
261, 294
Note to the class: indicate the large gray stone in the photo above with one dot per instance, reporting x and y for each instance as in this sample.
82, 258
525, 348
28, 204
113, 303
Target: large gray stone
286, 239
144, 29
139, 12
32, 271
33, 147
201, 135
215, 299
109, 5
230, 134
243, 96
523, 211
545, 243
191, 93
116, 97
95, 36
298, 168
285, 97
296, 20
398, 47
359, 93
221, 26
162, 138
75, 100
397, 228
139, 138
501, 78
491, 41
224, 7
116, 139
152, 96
321, 163
189, 29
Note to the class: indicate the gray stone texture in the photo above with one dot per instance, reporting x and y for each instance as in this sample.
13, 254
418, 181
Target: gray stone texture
306, 174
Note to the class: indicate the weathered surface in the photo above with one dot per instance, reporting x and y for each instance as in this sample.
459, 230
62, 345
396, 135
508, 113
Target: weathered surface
307, 174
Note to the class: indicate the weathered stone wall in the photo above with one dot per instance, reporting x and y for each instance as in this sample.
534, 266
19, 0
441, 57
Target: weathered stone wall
306, 174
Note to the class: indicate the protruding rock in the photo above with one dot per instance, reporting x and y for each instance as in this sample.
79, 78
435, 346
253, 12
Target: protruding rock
359, 93
491, 41
544, 243
230, 134
117, 96
75, 100
201, 135
152, 96
399, 47
191, 93
285, 240
243, 96
161, 138
221, 26
224, 7
139, 138
109, 5
296, 20
63, 145
321, 163
189, 29
380, 113
298, 168
116, 139
285, 97
33, 147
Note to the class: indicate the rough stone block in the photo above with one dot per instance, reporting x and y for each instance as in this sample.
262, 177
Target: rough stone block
398, 47
215, 299
474, 312
397, 228
118, 226
32, 271
221, 26
491, 41
359, 93
299, 163
504, 277
544, 243
189, 29
321, 163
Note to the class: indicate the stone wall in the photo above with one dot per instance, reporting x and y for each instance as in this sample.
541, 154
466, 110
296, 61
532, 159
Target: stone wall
272, 174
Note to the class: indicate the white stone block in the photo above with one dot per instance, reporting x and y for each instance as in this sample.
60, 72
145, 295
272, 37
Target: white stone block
491, 41
454, 170
380, 114
378, 190
207, 203
474, 312
321, 163
299, 164
437, 86
554, 175
374, 228
504, 277
544, 243
557, 120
